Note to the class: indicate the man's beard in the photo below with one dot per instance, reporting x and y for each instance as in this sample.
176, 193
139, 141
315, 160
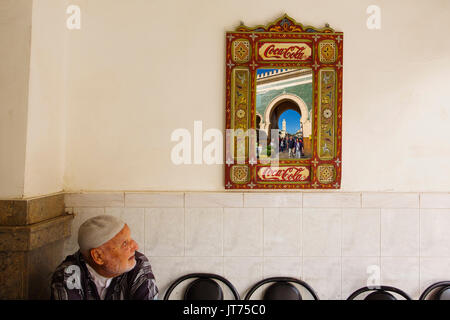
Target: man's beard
115, 268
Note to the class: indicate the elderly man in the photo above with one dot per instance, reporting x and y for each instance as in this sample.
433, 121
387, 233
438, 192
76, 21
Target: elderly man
106, 267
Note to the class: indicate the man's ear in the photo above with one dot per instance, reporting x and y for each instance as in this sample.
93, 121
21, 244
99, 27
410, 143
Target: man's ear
97, 256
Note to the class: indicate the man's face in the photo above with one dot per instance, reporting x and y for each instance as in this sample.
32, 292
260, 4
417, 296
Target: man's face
119, 253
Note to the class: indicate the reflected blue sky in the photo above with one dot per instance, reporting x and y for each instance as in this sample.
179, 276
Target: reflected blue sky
292, 121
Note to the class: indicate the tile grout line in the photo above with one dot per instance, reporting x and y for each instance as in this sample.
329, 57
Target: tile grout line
379, 252
223, 248
420, 252
341, 238
291, 257
360, 200
300, 252
302, 237
263, 251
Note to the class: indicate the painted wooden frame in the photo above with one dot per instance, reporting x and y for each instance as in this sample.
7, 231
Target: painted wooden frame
305, 65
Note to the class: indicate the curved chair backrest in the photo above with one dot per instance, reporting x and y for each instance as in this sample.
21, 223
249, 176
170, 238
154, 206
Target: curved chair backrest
204, 287
282, 288
379, 293
437, 291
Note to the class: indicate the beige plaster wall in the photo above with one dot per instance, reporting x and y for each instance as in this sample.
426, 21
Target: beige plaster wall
46, 105
15, 38
32, 78
137, 70
141, 69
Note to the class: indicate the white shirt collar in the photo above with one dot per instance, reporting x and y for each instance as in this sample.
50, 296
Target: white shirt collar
100, 281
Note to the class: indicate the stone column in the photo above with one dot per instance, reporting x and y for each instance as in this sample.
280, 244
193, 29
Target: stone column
32, 233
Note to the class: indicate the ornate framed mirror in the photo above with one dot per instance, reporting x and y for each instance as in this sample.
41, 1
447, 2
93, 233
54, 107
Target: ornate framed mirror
283, 107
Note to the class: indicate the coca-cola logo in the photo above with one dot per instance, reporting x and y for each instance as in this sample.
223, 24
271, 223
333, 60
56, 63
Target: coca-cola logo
291, 174
284, 51
294, 52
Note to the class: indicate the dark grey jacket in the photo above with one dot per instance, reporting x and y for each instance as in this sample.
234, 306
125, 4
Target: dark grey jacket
72, 281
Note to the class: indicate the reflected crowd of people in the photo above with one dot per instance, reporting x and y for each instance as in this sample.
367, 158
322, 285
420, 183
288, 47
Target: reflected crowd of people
292, 145
289, 146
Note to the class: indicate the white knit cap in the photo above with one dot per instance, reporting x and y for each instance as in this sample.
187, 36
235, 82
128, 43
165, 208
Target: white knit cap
98, 230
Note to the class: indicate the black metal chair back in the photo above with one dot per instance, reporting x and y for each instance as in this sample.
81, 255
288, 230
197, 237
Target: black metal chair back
204, 287
282, 288
437, 291
379, 293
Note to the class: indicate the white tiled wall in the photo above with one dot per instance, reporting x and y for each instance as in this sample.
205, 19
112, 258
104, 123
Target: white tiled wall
328, 239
